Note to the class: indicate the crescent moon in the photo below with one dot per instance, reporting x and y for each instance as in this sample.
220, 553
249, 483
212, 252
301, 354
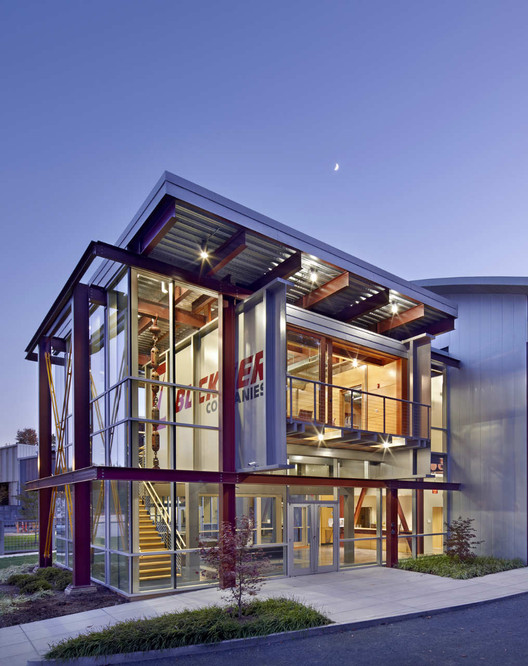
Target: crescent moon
336, 168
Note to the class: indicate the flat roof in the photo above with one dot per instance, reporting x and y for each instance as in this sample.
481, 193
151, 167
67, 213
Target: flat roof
476, 285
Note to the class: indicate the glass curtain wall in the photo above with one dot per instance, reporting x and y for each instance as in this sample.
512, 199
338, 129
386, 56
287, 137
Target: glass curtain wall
59, 373
154, 380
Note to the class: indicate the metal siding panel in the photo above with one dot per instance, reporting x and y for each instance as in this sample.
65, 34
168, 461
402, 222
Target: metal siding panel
488, 419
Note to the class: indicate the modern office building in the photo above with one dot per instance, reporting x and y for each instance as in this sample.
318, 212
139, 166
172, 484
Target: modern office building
215, 362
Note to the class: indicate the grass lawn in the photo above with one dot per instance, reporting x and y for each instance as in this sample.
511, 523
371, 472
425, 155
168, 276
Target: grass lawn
26, 541
16, 560
192, 627
442, 565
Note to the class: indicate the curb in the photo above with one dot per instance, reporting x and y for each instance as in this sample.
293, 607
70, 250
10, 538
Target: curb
233, 644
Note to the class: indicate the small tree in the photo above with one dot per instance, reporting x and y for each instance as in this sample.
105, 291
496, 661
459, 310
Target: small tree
461, 539
239, 568
26, 436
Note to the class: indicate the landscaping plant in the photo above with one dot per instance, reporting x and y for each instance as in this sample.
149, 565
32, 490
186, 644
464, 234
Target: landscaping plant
191, 627
239, 568
461, 539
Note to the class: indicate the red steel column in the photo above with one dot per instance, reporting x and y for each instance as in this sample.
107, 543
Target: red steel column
44, 456
391, 522
227, 430
81, 435
419, 521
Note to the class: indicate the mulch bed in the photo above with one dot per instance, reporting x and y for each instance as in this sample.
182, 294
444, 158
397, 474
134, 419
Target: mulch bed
58, 604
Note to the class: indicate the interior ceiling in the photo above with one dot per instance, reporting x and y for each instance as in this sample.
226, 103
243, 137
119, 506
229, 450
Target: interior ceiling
194, 230
151, 296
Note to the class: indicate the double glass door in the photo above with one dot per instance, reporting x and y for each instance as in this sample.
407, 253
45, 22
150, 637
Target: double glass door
313, 537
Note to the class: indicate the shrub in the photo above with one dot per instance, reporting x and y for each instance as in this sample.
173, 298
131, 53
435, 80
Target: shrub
42, 579
461, 539
206, 625
19, 579
58, 578
34, 585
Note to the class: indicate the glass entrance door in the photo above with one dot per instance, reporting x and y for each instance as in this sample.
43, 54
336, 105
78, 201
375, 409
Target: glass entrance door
313, 538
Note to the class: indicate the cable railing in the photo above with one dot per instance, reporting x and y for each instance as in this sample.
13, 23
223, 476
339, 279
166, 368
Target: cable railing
349, 408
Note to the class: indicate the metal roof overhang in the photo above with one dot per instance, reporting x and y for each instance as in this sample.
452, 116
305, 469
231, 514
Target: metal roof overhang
179, 218
128, 258
223, 208
96, 473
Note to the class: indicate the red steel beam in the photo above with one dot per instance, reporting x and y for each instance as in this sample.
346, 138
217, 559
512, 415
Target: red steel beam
81, 434
100, 473
364, 307
323, 292
227, 414
227, 252
419, 521
149, 309
398, 320
159, 224
391, 521
284, 270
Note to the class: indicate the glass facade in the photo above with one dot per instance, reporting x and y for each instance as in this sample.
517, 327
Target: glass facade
155, 403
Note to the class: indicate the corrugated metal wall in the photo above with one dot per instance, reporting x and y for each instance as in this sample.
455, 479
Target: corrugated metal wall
488, 418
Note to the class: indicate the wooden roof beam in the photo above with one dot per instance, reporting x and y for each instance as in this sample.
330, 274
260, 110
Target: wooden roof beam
432, 328
144, 324
284, 270
397, 320
202, 302
227, 252
323, 292
364, 307
180, 293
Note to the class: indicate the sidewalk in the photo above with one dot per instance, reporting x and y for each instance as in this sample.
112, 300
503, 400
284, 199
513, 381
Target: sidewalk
345, 597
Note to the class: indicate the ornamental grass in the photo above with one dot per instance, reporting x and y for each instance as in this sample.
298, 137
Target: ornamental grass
449, 567
192, 627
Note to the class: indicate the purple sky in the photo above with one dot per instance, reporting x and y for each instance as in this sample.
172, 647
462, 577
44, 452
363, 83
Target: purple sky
423, 104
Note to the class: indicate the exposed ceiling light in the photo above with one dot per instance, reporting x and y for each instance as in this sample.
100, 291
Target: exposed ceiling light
313, 275
355, 363
204, 254
394, 308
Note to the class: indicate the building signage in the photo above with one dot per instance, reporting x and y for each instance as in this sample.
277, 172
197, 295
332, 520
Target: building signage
261, 379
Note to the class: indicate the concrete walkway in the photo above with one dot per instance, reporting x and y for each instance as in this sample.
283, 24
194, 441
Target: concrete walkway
346, 597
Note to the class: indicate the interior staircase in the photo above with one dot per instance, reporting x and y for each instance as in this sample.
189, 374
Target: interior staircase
151, 567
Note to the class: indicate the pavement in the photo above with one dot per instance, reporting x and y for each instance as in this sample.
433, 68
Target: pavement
346, 597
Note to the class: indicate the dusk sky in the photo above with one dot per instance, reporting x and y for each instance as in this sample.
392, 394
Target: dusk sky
424, 105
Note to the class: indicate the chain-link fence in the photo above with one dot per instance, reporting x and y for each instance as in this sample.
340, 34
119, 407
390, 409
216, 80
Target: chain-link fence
18, 536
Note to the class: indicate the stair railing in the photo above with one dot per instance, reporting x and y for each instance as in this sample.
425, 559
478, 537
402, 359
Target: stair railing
163, 526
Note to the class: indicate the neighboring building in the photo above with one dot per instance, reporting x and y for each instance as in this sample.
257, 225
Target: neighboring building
18, 464
224, 363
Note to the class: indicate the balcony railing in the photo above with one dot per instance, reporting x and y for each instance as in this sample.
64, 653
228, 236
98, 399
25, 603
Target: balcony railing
353, 409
